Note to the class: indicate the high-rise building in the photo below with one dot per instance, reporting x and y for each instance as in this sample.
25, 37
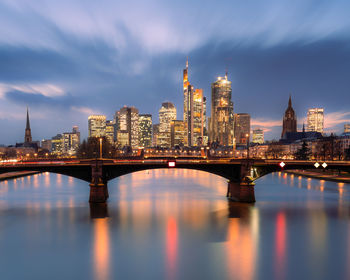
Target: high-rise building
242, 128
28, 133
145, 127
194, 111
289, 120
155, 135
70, 141
57, 144
221, 120
167, 113
258, 136
110, 131
178, 132
128, 125
315, 120
97, 125
347, 128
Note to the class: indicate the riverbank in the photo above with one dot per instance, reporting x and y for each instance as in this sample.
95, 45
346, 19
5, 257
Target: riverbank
13, 175
343, 177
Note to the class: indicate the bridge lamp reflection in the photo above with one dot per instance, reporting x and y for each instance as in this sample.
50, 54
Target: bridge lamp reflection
324, 165
171, 164
317, 165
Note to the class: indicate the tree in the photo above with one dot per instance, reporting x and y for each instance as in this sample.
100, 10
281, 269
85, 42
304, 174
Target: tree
303, 153
91, 148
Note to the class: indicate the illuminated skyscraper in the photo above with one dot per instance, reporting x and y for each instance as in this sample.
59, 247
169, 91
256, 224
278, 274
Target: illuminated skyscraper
289, 120
167, 113
315, 119
145, 133
110, 131
128, 127
97, 125
242, 128
177, 132
70, 141
258, 136
221, 120
347, 128
194, 112
155, 135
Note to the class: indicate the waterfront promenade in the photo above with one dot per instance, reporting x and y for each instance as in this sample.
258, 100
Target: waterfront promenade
342, 177
13, 175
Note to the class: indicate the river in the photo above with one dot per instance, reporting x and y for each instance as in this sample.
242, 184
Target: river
174, 224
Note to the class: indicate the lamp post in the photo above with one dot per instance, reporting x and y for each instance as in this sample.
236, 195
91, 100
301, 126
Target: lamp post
101, 147
247, 136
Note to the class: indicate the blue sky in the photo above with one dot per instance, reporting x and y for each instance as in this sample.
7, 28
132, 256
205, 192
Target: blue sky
69, 59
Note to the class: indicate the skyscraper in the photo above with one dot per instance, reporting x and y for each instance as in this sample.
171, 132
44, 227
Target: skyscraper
177, 132
70, 141
128, 133
315, 119
97, 125
110, 131
167, 113
289, 120
27, 133
258, 136
242, 128
155, 135
194, 111
347, 128
145, 127
221, 120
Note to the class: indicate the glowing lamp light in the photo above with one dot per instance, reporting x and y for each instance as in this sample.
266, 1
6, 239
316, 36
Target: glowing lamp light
282, 164
324, 165
171, 163
317, 165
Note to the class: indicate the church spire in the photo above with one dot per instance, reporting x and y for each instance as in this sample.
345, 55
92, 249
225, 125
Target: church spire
290, 101
27, 133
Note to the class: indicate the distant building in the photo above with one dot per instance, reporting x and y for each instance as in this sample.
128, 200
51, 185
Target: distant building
57, 144
221, 127
315, 119
145, 130
289, 120
70, 141
347, 128
97, 125
242, 128
128, 127
110, 131
167, 114
258, 136
178, 132
155, 135
46, 144
194, 112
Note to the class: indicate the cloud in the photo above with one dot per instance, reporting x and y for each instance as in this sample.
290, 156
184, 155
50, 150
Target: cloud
48, 90
85, 110
265, 124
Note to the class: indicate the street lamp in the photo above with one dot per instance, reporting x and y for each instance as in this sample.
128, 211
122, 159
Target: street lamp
247, 136
100, 147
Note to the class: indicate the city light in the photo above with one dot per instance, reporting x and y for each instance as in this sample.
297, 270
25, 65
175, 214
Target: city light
282, 164
171, 163
324, 165
317, 165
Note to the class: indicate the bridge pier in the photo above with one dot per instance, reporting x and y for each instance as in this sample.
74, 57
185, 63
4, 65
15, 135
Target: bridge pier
98, 186
241, 191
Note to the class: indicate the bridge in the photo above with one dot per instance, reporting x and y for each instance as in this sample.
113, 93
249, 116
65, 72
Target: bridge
240, 174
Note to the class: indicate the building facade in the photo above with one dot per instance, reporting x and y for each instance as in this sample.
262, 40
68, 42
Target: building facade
242, 128
97, 125
289, 120
178, 133
315, 119
155, 135
145, 130
128, 125
221, 120
110, 131
167, 114
258, 136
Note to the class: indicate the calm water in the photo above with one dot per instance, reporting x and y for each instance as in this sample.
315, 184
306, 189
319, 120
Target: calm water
174, 224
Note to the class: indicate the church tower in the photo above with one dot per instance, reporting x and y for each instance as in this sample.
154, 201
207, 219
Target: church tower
28, 133
289, 120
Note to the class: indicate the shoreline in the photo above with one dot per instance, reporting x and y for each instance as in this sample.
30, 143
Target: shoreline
18, 174
320, 176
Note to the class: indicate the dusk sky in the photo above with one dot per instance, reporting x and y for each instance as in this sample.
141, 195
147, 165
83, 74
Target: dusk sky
66, 60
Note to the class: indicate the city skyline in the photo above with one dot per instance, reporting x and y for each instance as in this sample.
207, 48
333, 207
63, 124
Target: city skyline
101, 60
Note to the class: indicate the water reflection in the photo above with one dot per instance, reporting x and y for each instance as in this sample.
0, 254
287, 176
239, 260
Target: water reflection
157, 226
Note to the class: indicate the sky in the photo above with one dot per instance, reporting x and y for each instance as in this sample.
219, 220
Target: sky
66, 60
